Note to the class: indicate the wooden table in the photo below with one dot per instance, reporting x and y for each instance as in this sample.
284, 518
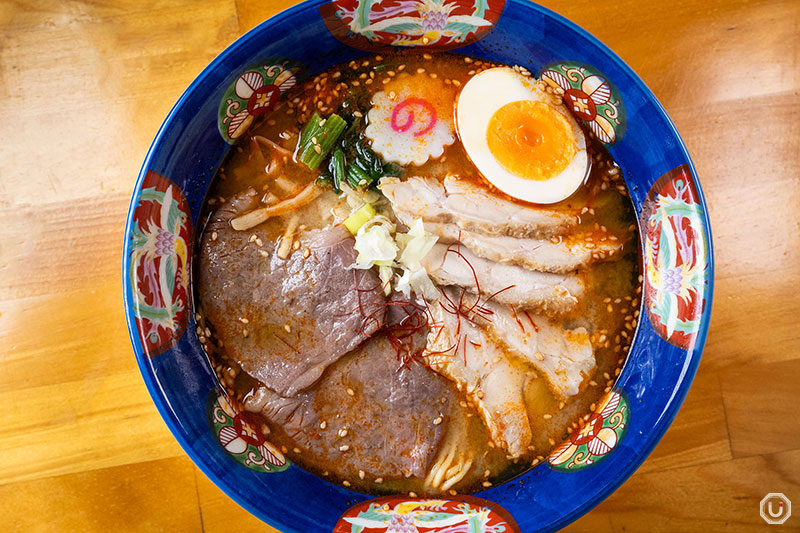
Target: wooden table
84, 87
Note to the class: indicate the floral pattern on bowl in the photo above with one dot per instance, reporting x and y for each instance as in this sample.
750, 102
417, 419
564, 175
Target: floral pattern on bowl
241, 438
675, 257
439, 24
159, 251
590, 96
596, 438
407, 514
253, 94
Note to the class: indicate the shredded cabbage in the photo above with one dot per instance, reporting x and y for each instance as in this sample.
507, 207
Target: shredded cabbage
415, 245
375, 246
419, 282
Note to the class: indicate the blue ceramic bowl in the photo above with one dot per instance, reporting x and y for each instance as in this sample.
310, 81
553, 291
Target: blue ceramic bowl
242, 82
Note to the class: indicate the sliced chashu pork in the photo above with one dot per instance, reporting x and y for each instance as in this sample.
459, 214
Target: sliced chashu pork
558, 256
464, 353
472, 208
285, 320
564, 356
549, 293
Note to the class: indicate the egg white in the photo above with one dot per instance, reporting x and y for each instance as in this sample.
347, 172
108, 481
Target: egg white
480, 98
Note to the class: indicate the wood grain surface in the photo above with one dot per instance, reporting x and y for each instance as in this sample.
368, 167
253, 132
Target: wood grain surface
84, 86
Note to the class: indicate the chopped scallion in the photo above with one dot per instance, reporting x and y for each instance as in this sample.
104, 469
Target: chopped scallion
357, 178
336, 168
358, 218
314, 145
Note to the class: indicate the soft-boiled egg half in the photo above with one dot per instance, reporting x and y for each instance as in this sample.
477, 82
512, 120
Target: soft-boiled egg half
519, 138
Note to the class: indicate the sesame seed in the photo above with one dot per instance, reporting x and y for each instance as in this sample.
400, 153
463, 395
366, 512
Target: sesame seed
346, 483
420, 70
306, 253
344, 448
487, 483
287, 327
350, 392
343, 432
323, 424
317, 149
296, 450
378, 480
214, 236
561, 405
547, 416
437, 420
259, 242
245, 333
457, 83
243, 320
551, 441
263, 253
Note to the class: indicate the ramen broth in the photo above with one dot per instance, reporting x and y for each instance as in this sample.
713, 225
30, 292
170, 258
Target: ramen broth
608, 308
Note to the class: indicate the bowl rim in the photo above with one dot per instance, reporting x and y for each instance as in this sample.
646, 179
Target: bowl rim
679, 389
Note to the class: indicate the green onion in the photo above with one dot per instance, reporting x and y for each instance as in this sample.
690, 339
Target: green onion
357, 178
324, 180
392, 169
371, 162
314, 145
336, 168
359, 218
310, 128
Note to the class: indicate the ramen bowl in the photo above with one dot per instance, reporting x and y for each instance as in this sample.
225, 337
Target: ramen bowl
241, 84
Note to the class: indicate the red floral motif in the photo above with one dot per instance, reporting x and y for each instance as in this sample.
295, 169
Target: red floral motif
596, 439
241, 439
404, 514
373, 25
590, 97
675, 257
254, 93
160, 246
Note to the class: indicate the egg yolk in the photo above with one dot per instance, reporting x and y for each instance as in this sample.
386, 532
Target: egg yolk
531, 140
